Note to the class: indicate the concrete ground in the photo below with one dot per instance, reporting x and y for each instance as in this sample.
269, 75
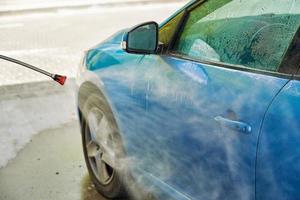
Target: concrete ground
49, 163
50, 167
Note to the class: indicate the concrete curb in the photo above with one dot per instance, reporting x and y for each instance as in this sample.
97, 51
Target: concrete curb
35, 89
83, 6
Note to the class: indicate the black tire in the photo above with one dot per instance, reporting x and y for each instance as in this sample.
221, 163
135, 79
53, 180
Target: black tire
114, 188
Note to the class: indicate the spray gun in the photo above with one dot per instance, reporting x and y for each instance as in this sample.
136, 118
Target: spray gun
58, 78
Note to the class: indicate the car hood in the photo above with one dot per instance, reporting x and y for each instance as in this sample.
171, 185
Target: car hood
107, 53
116, 38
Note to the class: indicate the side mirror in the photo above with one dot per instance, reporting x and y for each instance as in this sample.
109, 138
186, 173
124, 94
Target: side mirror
141, 39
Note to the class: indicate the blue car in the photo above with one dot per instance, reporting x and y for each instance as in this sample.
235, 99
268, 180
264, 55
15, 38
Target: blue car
205, 105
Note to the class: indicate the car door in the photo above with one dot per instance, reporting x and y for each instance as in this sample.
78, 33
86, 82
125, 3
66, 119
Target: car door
278, 156
206, 96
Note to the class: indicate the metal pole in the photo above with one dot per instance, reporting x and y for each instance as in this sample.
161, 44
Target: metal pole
58, 78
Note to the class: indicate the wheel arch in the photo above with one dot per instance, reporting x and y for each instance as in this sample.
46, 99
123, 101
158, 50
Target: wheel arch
88, 92
88, 89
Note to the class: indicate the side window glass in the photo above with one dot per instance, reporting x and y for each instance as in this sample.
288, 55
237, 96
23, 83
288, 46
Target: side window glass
254, 34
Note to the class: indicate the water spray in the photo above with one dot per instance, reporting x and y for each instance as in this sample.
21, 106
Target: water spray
58, 78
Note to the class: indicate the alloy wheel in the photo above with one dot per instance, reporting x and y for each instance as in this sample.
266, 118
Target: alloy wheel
99, 146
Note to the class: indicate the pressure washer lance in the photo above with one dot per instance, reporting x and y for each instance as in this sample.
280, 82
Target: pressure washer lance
58, 78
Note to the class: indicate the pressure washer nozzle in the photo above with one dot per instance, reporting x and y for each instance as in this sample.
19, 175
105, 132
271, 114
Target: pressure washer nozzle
60, 79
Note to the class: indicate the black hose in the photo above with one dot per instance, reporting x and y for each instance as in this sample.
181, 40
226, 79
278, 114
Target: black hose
27, 65
58, 78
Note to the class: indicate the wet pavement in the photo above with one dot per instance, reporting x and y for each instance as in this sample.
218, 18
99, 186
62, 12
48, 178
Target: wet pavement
51, 166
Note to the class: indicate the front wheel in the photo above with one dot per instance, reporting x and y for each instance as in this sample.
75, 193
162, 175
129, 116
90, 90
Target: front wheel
102, 147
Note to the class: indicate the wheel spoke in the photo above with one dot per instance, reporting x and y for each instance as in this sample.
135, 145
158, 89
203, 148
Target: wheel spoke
91, 149
103, 129
94, 121
108, 158
101, 168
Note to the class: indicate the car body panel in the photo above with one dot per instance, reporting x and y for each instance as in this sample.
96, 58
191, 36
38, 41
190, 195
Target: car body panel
278, 161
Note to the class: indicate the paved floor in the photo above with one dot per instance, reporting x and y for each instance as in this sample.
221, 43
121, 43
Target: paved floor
50, 167
28, 109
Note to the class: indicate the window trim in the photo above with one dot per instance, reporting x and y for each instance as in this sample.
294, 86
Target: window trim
280, 73
231, 66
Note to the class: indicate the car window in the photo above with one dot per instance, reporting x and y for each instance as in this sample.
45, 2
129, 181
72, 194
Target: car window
167, 32
254, 33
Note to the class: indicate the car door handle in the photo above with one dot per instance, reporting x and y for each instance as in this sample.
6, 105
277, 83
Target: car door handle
234, 125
